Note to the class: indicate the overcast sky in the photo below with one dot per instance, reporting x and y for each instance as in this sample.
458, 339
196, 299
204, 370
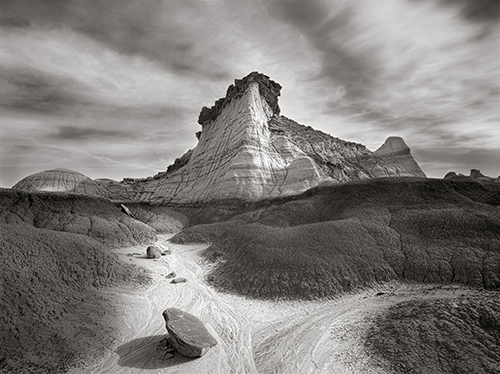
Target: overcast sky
113, 88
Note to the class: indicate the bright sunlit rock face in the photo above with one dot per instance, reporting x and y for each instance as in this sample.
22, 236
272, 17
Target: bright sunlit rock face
233, 159
247, 152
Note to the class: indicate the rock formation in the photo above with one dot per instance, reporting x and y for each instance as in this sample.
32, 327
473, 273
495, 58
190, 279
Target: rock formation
475, 174
395, 151
268, 90
179, 280
61, 180
189, 336
246, 151
153, 252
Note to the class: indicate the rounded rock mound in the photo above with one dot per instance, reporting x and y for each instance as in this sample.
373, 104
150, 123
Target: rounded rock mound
61, 180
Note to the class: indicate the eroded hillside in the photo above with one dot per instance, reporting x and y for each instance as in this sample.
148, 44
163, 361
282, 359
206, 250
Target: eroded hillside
86, 215
55, 256
334, 239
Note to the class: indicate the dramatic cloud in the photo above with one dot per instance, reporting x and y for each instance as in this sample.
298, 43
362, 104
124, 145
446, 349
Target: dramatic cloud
425, 70
113, 88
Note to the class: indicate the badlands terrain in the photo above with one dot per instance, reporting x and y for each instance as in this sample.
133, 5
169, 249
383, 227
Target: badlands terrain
301, 253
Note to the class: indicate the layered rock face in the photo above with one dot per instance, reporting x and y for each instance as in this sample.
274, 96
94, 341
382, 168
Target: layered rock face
61, 180
395, 152
247, 151
236, 158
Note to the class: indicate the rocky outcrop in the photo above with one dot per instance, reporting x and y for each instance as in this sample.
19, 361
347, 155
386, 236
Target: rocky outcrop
476, 175
61, 180
395, 152
189, 336
246, 151
340, 160
181, 161
268, 90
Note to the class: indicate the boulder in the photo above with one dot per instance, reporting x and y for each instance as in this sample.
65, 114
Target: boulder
189, 335
126, 210
153, 252
179, 280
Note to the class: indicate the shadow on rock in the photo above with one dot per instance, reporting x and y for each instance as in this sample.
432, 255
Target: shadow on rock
149, 353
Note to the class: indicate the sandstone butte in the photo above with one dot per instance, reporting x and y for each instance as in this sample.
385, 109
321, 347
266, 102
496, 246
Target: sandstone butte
248, 151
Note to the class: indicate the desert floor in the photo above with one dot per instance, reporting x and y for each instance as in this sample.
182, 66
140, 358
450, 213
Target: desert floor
254, 336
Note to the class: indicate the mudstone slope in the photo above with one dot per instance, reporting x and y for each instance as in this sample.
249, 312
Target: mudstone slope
86, 215
54, 258
455, 335
334, 239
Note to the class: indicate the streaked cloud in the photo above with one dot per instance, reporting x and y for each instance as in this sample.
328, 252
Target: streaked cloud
123, 81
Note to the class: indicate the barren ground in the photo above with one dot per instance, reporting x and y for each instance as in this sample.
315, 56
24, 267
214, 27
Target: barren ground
254, 336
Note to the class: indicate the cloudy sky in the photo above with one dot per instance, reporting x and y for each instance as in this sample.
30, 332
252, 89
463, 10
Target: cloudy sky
113, 88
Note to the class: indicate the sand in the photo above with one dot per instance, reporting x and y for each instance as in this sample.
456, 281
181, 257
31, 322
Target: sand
254, 336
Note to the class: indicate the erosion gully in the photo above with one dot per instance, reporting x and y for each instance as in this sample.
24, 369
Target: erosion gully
254, 336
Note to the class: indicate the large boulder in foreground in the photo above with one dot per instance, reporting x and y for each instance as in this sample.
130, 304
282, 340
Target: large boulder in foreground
189, 336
